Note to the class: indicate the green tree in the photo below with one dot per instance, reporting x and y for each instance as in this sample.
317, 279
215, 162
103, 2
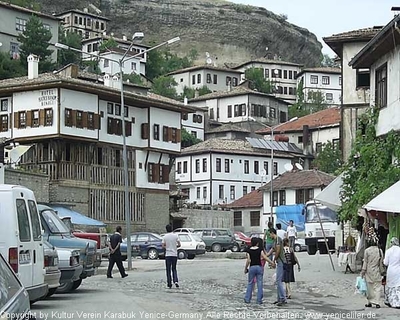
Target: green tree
72, 40
329, 159
30, 4
165, 86
204, 90
299, 108
35, 39
315, 101
190, 93
108, 44
10, 68
188, 139
257, 81
134, 78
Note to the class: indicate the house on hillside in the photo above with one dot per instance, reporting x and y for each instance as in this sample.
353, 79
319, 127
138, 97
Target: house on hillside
310, 132
380, 56
355, 85
214, 78
293, 187
219, 171
194, 123
73, 125
13, 22
325, 82
228, 131
283, 74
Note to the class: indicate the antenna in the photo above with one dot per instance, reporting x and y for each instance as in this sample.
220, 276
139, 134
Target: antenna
288, 167
298, 166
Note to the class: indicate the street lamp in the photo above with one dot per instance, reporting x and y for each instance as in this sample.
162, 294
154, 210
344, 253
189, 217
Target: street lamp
136, 36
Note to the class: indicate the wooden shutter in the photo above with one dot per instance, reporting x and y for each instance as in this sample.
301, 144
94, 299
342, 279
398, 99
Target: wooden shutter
169, 134
73, 118
165, 133
178, 135
145, 130
16, 120
156, 172
29, 118
42, 116
96, 120
10, 121
128, 128
165, 172
84, 119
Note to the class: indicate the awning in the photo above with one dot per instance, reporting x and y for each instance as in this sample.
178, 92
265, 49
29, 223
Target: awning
386, 201
330, 196
76, 217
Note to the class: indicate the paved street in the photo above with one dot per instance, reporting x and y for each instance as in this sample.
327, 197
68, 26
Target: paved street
213, 289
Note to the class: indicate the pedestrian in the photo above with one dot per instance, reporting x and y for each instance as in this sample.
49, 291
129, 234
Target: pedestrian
254, 269
269, 242
260, 245
279, 259
171, 244
371, 272
115, 254
288, 266
392, 261
291, 233
281, 233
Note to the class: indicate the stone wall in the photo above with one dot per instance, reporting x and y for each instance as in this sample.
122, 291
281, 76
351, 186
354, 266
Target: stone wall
38, 183
198, 218
156, 211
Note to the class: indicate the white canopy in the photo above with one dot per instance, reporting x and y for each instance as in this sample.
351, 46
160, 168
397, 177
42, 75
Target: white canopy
330, 196
386, 201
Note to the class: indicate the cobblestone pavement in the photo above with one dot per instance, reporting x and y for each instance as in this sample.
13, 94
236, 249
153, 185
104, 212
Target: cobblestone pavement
214, 289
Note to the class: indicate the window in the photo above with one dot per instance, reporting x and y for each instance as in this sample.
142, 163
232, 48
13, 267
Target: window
336, 144
253, 188
275, 199
197, 165
36, 231
106, 63
185, 116
340, 81
256, 167
282, 197
110, 108
4, 123
292, 91
300, 139
20, 24
272, 113
90, 122
284, 90
232, 192
204, 164
314, 79
221, 191
117, 110
290, 74
275, 168
198, 192
68, 117
209, 78
215, 79
318, 147
174, 135
295, 74
276, 73
227, 169
244, 190
80, 21
23, 221
179, 167
228, 81
88, 22
266, 167
299, 196
95, 47
14, 49
381, 87
194, 134
285, 74
156, 132
309, 195
363, 78
229, 111
234, 81
185, 166
89, 48
76, 20
218, 165
151, 176
35, 118
133, 66
254, 218
194, 79
22, 119
240, 110
110, 126
329, 96
246, 166
4, 104
237, 218
199, 78
204, 192
266, 73
165, 133
197, 118
326, 80
79, 119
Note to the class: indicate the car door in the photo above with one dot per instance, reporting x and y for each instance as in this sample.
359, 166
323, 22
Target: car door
142, 241
208, 237
224, 236
186, 242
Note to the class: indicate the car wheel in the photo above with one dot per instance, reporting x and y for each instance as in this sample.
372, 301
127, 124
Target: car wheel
65, 287
235, 248
297, 247
182, 254
51, 292
191, 256
76, 284
216, 247
152, 254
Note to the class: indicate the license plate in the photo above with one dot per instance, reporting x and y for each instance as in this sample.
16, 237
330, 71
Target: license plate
24, 258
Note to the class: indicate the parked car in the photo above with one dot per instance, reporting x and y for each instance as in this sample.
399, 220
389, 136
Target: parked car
53, 274
135, 249
14, 299
59, 235
300, 245
242, 241
216, 239
257, 235
150, 244
183, 230
191, 245
70, 268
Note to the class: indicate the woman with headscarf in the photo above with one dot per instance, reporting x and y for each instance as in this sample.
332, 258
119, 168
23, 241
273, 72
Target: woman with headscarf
371, 271
392, 261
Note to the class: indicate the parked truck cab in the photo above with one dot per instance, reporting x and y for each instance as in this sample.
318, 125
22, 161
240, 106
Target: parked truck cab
21, 241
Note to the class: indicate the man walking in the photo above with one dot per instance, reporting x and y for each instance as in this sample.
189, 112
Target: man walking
280, 233
115, 254
291, 233
171, 244
278, 259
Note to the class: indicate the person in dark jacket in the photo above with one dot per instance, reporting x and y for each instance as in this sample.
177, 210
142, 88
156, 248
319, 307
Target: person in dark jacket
115, 254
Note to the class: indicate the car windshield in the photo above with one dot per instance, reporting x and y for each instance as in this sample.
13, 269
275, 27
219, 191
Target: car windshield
196, 237
326, 214
53, 222
9, 285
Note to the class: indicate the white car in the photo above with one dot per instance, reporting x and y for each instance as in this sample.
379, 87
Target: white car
191, 245
189, 230
300, 245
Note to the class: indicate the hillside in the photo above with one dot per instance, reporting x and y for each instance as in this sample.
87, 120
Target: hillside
229, 32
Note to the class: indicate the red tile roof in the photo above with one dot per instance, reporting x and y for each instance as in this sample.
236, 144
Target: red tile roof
323, 118
253, 199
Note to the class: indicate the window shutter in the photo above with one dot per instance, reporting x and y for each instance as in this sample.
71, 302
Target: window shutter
41, 118
29, 118
178, 135
96, 120
10, 121
145, 130
84, 119
165, 172
169, 134
128, 128
73, 118
16, 120
156, 172
1, 129
165, 133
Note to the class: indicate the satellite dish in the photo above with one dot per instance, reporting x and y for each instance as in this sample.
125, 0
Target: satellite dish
276, 71
298, 166
288, 167
209, 61
266, 48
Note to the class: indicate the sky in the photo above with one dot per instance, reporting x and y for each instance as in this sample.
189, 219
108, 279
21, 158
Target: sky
327, 17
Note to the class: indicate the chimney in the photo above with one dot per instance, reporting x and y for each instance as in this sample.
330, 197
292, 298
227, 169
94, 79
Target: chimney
85, 10
33, 66
185, 100
124, 38
115, 83
71, 71
196, 93
107, 80
229, 86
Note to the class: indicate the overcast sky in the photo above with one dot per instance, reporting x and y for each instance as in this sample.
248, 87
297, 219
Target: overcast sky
326, 17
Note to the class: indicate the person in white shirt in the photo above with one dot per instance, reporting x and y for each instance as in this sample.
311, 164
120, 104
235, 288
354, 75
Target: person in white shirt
171, 244
279, 232
291, 233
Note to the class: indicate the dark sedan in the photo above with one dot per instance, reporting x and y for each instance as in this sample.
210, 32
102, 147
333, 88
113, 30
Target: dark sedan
150, 245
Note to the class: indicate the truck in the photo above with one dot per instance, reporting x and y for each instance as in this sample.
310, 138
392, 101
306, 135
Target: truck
313, 232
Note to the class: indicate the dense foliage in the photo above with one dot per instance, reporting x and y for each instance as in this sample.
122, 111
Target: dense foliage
188, 139
73, 40
165, 86
329, 159
257, 80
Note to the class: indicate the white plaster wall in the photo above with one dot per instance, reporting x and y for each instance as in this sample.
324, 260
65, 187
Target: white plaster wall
142, 180
31, 100
198, 127
325, 135
164, 118
333, 86
201, 175
183, 177
183, 80
222, 104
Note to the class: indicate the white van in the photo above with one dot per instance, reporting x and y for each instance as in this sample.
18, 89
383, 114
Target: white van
21, 238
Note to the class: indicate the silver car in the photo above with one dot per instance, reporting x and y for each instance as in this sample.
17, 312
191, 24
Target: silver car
70, 267
14, 300
52, 276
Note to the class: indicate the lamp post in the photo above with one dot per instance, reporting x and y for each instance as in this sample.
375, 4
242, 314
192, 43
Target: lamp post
120, 62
